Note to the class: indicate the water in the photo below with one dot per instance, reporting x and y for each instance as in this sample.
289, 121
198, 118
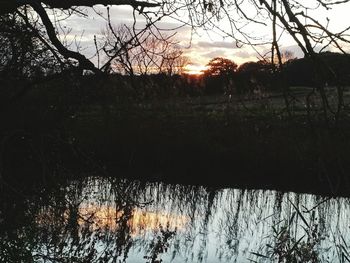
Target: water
110, 220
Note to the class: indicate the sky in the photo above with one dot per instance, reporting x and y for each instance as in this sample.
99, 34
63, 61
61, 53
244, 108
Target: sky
199, 46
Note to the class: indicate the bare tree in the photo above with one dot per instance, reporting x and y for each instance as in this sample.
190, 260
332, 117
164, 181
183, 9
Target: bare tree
176, 62
142, 52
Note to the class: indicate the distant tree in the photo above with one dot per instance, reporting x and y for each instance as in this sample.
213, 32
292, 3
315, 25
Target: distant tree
142, 52
252, 75
149, 59
219, 76
174, 62
301, 72
255, 66
220, 67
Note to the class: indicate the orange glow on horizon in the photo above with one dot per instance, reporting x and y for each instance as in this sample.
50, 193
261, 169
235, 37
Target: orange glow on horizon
192, 69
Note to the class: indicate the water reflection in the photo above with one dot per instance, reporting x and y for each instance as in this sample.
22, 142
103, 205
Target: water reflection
110, 220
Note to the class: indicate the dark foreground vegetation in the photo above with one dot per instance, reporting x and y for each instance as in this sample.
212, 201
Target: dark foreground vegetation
166, 131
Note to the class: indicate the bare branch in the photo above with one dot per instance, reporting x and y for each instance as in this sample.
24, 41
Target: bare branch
84, 63
8, 6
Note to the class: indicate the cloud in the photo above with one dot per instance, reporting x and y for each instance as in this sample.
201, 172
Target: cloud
216, 44
200, 50
215, 53
196, 64
82, 29
295, 49
243, 54
203, 51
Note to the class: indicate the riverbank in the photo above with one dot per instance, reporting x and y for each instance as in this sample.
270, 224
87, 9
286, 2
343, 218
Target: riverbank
220, 150
218, 147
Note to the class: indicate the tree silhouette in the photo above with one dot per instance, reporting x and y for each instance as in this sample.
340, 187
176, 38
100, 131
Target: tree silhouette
143, 52
219, 75
251, 74
220, 67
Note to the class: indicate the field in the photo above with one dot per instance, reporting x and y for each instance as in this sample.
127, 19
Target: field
247, 142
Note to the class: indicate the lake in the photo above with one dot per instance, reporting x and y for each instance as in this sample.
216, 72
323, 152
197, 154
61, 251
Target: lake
112, 220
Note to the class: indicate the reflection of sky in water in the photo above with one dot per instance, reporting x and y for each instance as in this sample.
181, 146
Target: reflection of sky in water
226, 225
141, 222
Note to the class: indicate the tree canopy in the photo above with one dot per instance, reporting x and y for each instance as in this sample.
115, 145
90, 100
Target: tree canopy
220, 67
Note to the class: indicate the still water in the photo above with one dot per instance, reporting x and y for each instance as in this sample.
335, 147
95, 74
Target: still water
112, 220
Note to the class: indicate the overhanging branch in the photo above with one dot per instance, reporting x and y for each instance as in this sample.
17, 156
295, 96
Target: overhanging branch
84, 63
8, 6
70, 3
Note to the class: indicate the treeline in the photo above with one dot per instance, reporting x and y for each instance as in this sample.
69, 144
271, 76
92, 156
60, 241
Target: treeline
302, 72
331, 69
223, 76
71, 87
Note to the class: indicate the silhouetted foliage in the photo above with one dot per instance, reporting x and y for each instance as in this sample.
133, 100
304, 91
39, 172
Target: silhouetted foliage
302, 72
22, 54
255, 75
219, 76
220, 67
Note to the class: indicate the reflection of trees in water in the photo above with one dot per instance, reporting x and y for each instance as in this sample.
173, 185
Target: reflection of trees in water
249, 220
98, 219
93, 223
103, 219
230, 225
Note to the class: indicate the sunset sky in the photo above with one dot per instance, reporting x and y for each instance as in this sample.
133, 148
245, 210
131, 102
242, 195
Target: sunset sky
201, 46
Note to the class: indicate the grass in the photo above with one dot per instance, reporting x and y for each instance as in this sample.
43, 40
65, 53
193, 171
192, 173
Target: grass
296, 238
